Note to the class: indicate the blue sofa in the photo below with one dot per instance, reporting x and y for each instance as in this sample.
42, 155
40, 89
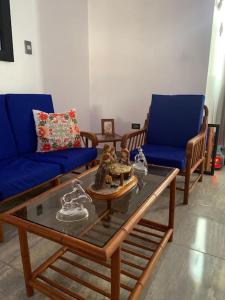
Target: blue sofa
174, 135
21, 167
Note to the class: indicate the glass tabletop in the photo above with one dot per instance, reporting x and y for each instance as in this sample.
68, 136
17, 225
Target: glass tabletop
102, 223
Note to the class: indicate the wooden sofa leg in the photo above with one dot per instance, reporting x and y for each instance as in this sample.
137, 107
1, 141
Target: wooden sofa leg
1, 232
94, 163
186, 188
56, 182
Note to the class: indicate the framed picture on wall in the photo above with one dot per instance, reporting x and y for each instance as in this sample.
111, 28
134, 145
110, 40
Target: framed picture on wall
211, 148
108, 127
6, 43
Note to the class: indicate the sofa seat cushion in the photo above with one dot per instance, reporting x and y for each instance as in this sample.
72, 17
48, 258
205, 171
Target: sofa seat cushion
68, 160
20, 174
163, 155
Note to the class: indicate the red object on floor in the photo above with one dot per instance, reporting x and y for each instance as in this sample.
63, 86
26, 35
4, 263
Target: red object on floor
218, 163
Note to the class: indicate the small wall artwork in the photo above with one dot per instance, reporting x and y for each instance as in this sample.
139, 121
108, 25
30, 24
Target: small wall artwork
107, 127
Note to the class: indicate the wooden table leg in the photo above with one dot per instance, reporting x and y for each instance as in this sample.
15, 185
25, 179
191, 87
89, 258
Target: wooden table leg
25, 255
172, 206
115, 275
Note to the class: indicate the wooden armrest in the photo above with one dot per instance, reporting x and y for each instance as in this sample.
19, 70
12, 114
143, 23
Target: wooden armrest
195, 149
86, 136
134, 139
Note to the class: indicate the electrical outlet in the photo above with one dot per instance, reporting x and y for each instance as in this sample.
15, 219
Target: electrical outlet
135, 125
28, 47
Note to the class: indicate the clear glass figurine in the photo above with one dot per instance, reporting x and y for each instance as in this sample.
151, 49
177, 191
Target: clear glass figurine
140, 163
73, 208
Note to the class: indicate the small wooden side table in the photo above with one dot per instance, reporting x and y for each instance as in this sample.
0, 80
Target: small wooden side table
109, 138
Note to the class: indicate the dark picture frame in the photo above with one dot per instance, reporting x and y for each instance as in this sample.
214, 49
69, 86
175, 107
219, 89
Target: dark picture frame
108, 127
214, 130
6, 41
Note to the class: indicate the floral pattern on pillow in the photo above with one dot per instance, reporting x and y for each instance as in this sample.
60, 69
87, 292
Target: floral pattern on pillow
56, 131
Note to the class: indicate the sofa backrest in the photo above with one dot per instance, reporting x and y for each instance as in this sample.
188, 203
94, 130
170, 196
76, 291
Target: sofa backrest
7, 143
173, 120
19, 107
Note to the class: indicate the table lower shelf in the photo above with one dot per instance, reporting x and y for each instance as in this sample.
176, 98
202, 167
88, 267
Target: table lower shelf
71, 274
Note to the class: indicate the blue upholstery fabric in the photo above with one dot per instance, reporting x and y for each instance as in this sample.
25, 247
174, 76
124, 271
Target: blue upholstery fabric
19, 108
19, 174
173, 120
7, 143
67, 159
163, 155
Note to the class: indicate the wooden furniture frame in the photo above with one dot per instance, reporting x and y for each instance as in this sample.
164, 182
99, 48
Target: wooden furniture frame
108, 256
88, 139
195, 153
108, 138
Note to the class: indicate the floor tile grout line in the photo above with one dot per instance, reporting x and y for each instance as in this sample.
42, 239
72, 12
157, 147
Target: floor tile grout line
207, 217
190, 248
11, 266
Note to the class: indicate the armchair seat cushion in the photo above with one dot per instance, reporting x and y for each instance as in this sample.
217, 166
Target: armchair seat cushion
19, 174
68, 160
163, 155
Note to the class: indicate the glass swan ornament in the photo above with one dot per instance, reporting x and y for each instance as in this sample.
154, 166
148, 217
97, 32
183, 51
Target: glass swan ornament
73, 208
140, 165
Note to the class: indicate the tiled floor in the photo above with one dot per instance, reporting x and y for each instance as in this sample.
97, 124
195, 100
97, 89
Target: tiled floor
191, 268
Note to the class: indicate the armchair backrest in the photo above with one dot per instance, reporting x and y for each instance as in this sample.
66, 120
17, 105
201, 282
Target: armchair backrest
20, 114
174, 120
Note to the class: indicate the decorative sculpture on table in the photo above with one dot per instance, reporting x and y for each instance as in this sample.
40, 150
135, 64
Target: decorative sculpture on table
103, 174
73, 204
125, 157
114, 175
113, 154
140, 163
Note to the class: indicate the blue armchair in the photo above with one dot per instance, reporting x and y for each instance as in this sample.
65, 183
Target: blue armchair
173, 135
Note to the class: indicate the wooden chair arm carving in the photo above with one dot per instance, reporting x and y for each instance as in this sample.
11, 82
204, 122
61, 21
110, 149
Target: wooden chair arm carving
195, 150
133, 140
87, 136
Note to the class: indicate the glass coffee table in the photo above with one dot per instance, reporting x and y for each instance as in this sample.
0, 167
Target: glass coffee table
114, 236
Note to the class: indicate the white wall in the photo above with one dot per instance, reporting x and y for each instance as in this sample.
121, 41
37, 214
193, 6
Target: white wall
135, 48
59, 64
140, 47
215, 91
24, 74
63, 27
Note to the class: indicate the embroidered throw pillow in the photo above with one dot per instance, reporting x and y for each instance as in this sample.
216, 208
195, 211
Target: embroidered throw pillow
56, 131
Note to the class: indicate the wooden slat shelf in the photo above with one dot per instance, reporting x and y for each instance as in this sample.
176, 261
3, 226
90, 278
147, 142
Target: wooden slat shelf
136, 260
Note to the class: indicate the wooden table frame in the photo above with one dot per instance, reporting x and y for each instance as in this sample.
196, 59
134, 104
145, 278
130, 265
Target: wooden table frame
110, 252
108, 138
